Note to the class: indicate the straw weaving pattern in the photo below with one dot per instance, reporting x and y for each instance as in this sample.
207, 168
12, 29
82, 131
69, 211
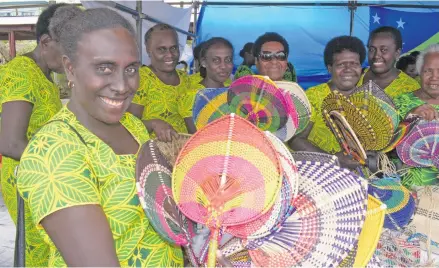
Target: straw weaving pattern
329, 213
373, 89
421, 146
394, 250
401, 131
304, 156
171, 149
210, 104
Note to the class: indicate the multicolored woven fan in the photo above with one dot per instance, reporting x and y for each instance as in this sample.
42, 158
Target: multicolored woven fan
373, 89
330, 199
257, 99
228, 173
400, 203
171, 149
421, 146
210, 104
301, 102
153, 182
346, 136
304, 156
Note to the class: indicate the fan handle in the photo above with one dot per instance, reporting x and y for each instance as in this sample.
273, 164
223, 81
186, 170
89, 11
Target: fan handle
213, 247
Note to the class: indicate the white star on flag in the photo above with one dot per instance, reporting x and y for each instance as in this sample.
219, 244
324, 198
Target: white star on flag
400, 23
376, 19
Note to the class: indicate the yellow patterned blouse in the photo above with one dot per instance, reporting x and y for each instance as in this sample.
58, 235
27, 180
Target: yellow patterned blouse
161, 100
402, 84
59, 171
22, 80
320, 135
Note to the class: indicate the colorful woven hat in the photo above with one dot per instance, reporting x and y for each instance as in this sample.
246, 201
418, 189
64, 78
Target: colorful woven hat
210, 104
421, 146
329, 213
400, 203
304, 156
257, 99
301, 102
345, 135
228, 173
171, 149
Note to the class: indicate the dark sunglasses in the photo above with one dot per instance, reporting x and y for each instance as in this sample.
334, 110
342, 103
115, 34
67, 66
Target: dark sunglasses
269, 56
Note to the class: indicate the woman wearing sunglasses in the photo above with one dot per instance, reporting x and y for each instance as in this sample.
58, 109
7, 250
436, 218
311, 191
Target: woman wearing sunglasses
271, 51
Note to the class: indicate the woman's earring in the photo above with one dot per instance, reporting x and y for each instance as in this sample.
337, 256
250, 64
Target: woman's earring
70, 84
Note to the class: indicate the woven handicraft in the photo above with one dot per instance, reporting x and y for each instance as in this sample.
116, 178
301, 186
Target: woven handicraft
228, 173
345, 135
380, 121
301, 102
257, 99
210, 104
394, 250
335, 101
373, 89
304, 156
400, 203
236, 253
171, 149
420, 148
329, 213
401, 131
282, 208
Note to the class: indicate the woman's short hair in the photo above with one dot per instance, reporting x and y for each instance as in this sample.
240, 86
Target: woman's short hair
159, 27
269, 37
43, 22
343, 43
433, 48
404, 62
395, 33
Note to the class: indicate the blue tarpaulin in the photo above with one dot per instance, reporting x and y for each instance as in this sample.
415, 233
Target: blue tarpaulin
308, 28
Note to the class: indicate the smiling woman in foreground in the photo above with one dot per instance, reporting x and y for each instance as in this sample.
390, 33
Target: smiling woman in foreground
77, 175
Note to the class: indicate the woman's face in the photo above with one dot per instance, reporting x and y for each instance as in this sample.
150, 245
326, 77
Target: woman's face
430, 74
106, 76
218, 62
345, 70
162, 48
411, 70
382, 53
272, 61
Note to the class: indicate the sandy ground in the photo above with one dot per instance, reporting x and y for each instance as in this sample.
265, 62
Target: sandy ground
7, 237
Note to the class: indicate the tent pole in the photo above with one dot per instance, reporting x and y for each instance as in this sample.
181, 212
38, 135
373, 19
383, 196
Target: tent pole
139, 20
196, 3
352, 7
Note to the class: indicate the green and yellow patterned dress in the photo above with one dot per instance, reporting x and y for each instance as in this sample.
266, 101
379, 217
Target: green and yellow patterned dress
320, 135
59, 171
402, 84
161, 100
415, 176
22, 80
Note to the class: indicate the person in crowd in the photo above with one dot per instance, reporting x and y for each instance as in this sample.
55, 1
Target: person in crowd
28, 99
216, 59
161, 85
77, 174
196, 77
271, 52
182, 65
415, 54
423, 102
385, 45
246, 54
343, 57
407, 64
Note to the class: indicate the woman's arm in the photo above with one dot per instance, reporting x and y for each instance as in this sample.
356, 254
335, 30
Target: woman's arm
83, 236
14, 124
191, 128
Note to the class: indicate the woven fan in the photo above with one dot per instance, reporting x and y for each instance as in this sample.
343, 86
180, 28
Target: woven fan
153, 182
228, 173
171, 149
301, 102
391, 112
210, 104
282, 208
304, 156
330, 199
335, 101
346, 136
258, 100
400, 203
236, 253
377, 117
373, 89
421, 146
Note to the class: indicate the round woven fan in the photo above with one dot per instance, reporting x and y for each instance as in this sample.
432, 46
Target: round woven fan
377, 117
400, 203
171, 149
373, 89
391, 112
304, 156
421, 146
228, 173
286, 132
210, 104
258, 100
330, 199
346, 136
153, 182
282, 208
301, 102
335, 101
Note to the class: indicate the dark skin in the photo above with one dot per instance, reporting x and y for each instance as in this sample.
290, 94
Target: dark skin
105, 80
162, 48
16, 114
